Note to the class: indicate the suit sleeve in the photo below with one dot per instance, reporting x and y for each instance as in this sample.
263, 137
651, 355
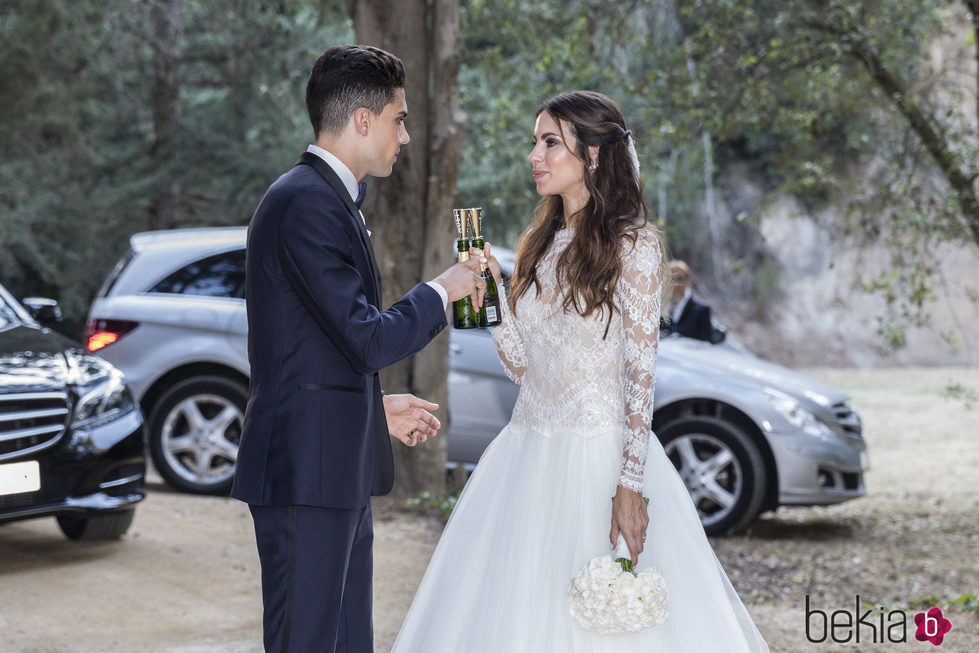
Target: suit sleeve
316, 241
703, 323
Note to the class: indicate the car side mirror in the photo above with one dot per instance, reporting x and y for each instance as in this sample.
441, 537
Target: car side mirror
45, 311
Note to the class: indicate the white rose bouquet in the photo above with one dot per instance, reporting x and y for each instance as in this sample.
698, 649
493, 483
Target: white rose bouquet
609, 597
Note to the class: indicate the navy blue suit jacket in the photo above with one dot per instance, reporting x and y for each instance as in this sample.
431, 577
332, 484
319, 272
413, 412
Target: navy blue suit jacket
314, 430
694, 321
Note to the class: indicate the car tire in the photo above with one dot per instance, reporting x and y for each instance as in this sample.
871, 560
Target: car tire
721, 468
194, 432
106, 526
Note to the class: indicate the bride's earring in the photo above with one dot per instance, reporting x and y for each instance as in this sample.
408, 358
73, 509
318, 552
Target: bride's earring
593, 167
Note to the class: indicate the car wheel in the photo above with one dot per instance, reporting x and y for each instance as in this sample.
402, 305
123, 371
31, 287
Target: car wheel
195, 430
106, 526
722, 469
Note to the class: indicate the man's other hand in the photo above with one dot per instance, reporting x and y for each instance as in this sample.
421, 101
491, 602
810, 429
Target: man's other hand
409, 418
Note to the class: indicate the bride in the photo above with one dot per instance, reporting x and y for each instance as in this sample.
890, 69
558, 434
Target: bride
580, 335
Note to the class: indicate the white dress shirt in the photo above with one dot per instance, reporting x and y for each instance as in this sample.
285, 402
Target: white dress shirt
682, 304
350, 183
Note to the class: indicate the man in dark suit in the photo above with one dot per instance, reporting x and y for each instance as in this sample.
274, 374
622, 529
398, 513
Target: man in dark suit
685, 314
316, 444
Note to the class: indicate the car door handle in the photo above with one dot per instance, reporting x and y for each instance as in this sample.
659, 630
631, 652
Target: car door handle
454, 348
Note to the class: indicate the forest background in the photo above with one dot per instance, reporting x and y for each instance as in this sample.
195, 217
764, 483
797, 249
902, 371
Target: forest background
815, 161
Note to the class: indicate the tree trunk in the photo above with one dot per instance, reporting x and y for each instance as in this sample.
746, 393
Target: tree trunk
973, 7
410, 212
707, 145
166, 30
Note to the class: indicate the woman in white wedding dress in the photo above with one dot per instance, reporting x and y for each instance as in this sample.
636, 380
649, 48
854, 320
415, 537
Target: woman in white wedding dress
581, 339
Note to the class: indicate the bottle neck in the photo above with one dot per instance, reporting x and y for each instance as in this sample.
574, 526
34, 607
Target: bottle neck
477, 243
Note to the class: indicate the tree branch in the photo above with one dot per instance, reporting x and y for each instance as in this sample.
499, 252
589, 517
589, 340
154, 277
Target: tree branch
902, 97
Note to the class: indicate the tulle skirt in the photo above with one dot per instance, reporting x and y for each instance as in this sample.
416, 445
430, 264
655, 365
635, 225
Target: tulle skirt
537, 508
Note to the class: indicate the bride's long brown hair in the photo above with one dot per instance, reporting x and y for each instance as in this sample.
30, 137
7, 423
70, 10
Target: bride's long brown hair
591, 264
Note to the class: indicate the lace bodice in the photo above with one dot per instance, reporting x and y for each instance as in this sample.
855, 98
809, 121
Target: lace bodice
573, 380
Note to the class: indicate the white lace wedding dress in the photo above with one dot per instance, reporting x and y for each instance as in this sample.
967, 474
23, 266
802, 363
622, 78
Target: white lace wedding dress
538, 506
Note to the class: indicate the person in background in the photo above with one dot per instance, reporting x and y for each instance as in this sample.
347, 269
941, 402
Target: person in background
686, 314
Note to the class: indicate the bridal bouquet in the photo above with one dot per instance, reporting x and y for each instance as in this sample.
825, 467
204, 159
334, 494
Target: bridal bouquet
609, 597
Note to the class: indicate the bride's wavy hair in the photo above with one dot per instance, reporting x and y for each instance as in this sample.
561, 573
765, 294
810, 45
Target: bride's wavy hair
589, 268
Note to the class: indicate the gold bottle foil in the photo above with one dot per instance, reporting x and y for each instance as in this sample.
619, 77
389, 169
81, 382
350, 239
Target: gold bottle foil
477, 217
458, 214
462, 227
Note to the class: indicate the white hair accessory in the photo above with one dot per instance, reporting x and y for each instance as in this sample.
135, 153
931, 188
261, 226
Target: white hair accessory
635, 158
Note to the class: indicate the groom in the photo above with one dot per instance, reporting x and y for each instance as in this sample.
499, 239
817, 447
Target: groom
315, 444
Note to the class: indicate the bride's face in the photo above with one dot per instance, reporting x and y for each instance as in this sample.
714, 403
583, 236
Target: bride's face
556, 170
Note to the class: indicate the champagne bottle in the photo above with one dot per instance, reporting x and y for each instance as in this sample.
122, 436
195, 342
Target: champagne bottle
466, 316
489, 314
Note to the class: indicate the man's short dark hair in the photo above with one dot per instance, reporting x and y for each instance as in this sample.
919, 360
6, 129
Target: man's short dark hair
346, 78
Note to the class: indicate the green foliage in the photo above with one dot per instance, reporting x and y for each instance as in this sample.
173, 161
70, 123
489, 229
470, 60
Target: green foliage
798, 90
781, 89
77, 166
955, 391
515, 54
429, 501
967, 601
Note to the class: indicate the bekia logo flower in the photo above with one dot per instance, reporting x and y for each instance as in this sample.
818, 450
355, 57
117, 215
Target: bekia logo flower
932, 626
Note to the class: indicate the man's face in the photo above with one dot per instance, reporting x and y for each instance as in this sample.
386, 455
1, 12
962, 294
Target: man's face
680, 284
387, 135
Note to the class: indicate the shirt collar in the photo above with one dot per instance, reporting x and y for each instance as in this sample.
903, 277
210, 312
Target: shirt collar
678, 310
339, 167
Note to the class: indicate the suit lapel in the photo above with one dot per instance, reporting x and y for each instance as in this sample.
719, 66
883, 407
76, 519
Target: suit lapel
330, 177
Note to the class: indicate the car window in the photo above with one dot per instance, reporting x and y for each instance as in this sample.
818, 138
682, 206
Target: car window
222, 275
10, 311
7, 315
115, 274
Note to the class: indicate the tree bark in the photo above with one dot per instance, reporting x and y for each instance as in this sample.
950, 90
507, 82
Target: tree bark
410, 212
166, 30
973, 7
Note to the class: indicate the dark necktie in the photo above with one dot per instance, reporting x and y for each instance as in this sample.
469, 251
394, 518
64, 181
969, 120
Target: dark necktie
361, 193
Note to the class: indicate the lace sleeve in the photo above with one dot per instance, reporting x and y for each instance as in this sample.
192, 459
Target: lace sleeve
639, 297
508, 342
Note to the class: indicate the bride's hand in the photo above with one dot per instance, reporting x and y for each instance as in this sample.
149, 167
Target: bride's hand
629, 517
493, 264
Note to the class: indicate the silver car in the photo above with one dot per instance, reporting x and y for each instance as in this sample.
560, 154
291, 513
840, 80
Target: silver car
745, 435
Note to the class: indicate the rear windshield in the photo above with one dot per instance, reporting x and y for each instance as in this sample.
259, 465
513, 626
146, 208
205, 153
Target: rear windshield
115, 274
222, 275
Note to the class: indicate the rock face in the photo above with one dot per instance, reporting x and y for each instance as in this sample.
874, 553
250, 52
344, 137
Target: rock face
822, 316
826, 318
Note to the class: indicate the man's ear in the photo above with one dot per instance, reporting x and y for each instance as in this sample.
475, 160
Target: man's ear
362, 120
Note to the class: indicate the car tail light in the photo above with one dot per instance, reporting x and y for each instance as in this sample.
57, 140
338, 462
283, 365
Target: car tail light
99, 333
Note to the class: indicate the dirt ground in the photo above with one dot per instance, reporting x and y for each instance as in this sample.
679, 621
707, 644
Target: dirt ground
186, 579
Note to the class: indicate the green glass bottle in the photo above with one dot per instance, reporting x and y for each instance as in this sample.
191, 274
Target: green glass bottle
489, 313
465, 313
